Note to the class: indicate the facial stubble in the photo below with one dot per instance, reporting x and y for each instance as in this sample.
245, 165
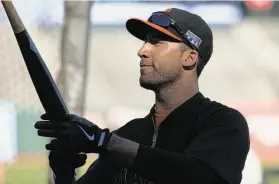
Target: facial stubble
155, 81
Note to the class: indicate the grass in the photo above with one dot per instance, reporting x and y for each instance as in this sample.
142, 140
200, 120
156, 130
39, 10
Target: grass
26, 174
33, 169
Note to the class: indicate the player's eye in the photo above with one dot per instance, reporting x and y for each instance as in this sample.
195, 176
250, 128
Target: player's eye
154, 40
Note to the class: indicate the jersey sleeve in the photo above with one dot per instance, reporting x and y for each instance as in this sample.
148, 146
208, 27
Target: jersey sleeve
223, 143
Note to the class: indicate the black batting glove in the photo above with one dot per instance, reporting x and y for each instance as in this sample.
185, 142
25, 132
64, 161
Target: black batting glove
63, 165
81, 134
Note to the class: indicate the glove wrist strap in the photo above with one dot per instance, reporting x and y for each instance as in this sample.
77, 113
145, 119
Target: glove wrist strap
103, 141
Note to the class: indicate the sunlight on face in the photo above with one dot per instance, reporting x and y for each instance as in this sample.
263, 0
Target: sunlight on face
160, 63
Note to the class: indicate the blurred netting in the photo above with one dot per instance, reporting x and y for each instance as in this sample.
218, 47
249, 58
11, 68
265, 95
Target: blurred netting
16, 85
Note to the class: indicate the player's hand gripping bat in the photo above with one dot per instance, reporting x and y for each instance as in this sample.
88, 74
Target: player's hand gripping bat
44, 84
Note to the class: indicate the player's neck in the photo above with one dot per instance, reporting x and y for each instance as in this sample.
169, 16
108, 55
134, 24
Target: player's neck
175, 95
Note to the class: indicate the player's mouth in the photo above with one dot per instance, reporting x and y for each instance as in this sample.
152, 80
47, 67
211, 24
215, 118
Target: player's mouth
146, 69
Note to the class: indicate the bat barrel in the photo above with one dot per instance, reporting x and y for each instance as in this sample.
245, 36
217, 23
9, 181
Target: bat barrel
44, 84
13, 17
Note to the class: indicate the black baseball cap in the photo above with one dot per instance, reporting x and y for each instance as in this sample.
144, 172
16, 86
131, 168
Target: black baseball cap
194, 28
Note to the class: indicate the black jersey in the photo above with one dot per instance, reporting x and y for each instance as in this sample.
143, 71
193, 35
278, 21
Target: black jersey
200, 142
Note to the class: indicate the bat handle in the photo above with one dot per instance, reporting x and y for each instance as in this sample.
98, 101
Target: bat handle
13, 16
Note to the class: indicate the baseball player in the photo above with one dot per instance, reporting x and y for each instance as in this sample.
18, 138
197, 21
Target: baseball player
186, 137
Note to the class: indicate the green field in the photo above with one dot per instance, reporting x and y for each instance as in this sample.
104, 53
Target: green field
33, 170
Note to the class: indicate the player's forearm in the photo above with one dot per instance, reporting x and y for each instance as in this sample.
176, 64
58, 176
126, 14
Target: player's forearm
122, 151
162, 166
159, 165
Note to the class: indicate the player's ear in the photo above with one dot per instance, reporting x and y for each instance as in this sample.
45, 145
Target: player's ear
189, 58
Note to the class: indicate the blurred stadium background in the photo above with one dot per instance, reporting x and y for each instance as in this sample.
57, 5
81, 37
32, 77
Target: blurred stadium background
243, 73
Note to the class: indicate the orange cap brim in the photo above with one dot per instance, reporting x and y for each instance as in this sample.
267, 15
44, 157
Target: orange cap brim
139, 28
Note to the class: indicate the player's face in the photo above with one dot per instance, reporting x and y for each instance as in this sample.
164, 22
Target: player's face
160, 63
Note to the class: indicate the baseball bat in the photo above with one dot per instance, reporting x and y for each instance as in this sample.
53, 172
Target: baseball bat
43, 82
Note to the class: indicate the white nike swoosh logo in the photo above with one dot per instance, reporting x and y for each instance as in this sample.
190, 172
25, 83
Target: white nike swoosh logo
91, 138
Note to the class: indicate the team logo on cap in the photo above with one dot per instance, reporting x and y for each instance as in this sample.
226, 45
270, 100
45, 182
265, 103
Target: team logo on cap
194, 39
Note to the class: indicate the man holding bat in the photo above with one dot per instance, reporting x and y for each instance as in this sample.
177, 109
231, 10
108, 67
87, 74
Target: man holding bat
186, 137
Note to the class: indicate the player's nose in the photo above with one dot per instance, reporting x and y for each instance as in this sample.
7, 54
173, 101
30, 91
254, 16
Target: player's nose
145, 50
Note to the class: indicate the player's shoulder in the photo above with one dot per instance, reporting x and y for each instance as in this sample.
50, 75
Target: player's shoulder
219, 113
212, 108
